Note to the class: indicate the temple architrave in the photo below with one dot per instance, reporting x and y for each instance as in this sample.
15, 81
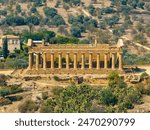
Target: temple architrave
73, 58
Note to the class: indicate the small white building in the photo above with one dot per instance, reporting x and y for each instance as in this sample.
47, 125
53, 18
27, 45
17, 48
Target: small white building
13, 42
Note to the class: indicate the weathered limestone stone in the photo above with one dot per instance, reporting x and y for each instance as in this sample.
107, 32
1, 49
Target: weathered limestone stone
73, 58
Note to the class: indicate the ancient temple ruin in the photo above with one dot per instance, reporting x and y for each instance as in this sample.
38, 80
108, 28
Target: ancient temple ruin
95, 58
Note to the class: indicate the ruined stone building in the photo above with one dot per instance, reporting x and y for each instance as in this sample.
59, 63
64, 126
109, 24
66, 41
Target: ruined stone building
73, 58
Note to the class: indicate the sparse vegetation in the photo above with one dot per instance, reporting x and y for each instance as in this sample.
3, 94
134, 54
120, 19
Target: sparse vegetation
117, 97
4, 101
7, 90
28, 107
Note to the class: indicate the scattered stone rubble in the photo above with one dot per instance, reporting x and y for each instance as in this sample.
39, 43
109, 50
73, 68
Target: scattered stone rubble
133, 78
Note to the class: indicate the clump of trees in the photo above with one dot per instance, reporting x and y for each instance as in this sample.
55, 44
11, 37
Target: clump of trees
72, 2
118, 97
80, 24
18, 20
64, 40
133, 3
53, 18
72, 99
42, 34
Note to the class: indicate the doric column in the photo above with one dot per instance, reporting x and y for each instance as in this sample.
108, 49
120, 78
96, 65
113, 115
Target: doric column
113, 61
30, 60
60, 61
90, 61
37, 60
98, 61
44, 60
120, 61
52, 60
106, 60
67, 61
83, 61
75, 61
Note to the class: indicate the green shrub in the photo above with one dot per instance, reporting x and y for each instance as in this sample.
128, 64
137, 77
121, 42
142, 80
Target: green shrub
3, 79
134, 95
127, 103
4, 92
44, 95
144, 75
115, 80
140, 88
57, 90
15, 89
15, 98
148, 90
28, 107
107, 97
48, 106
4, 101
56, 78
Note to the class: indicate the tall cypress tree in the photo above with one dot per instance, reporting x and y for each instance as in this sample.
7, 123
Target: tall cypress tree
5, 48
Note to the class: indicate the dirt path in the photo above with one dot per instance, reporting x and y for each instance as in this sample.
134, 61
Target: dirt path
142, 46
6, 72
137, 44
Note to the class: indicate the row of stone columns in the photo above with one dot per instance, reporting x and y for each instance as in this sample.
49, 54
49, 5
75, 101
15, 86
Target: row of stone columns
74, 61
